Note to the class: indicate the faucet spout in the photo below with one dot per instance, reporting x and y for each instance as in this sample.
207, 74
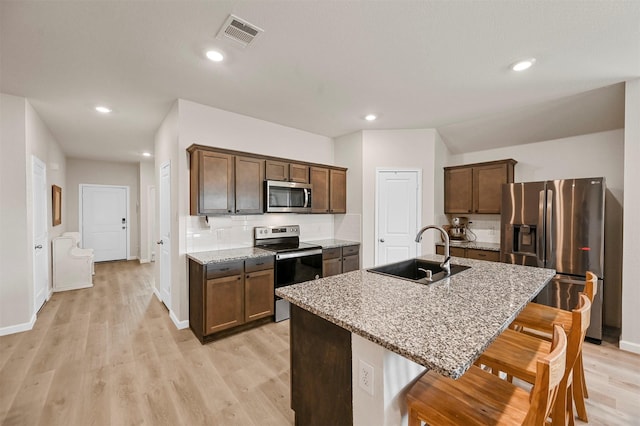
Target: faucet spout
445, 265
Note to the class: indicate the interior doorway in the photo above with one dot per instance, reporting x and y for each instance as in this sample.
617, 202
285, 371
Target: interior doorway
164, 243
104, 221
40, 233
398, 212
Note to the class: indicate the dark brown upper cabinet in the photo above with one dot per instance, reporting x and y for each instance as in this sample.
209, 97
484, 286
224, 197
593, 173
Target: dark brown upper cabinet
232, 182
476, 188
287, 172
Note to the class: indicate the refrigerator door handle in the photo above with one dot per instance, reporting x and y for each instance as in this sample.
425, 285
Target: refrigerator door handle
548, 230
540, 243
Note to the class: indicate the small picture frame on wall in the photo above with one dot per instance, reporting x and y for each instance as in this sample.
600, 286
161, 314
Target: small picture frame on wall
56, 204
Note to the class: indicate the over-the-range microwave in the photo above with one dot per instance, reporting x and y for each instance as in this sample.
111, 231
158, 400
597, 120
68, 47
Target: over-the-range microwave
287, 197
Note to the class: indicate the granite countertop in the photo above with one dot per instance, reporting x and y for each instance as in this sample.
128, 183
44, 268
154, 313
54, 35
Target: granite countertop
444, 326
472, 245
333, 243
217, 256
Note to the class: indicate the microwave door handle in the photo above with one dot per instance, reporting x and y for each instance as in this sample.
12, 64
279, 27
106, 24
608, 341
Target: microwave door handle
306, 197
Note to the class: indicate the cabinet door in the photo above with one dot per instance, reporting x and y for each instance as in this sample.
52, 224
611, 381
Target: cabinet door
277, 170
212, 183
331, 267
258, 295
458, 190
249, 185
320, 189
350, 263
298, 173
224, 303
456, 251
338, 191
487, 188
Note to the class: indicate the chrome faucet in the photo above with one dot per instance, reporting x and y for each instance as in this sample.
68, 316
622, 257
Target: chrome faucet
445, 264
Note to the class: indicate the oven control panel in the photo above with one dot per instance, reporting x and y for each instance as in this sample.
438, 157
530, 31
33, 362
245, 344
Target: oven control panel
264, 232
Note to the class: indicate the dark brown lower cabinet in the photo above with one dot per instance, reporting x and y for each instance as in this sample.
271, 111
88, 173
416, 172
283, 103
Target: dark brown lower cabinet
339, 260
321, 386
230, 296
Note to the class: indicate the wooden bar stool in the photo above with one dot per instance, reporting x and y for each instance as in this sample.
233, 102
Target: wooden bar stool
480, 398
516, 353
541, 318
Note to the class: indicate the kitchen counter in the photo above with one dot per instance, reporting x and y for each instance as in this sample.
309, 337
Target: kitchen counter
333, 243
217, 256
479, 245
443, 326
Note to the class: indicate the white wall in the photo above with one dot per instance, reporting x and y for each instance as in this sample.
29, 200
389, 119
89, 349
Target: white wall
397, 149
16, 279
81, 171
348, 151
23, 134
630, 338
597, 154
147, 187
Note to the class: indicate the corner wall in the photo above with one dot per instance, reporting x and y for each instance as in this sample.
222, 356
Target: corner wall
630, 338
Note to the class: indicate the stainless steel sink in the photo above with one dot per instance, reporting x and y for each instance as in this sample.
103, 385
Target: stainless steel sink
416, 270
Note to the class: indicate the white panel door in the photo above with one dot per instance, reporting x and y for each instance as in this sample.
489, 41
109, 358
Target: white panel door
397, 208
105, 221
165, 234
40, 233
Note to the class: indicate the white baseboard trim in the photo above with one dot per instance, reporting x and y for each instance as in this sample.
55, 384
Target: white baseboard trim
19, 328
157, 293
180, 325
132, 258
630, 346
145, 261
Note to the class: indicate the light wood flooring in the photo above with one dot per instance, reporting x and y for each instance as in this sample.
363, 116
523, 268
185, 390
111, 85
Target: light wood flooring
110, 355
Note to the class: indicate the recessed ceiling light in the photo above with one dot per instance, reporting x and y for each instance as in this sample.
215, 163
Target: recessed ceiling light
370, 117
215, 56
146, 154
103, 109
523, 65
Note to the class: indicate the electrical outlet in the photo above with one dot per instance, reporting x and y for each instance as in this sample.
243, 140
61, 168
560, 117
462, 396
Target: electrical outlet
365, 376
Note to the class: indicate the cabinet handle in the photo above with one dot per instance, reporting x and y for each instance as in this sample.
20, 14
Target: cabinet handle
247, 276
228, 211
239, 277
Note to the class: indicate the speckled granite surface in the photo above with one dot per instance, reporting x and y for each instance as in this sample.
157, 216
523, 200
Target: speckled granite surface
333, 243
473, 245
443, 326
216, 256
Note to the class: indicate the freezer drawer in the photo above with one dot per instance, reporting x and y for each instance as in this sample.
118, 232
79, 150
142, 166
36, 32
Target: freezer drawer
562, 292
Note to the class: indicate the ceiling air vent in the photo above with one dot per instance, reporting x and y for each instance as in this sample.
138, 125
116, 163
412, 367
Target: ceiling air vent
239, 30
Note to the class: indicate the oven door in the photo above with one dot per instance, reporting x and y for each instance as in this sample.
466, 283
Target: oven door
294, 268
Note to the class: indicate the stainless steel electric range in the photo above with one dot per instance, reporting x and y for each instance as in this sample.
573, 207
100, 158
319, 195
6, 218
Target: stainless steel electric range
296, 262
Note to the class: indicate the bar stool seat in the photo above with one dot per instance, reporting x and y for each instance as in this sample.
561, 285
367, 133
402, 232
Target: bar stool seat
480, 398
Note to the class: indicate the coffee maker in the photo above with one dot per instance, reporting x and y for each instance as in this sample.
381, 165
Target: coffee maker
458, 228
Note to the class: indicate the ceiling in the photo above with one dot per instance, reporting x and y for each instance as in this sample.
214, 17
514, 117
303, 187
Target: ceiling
321, 66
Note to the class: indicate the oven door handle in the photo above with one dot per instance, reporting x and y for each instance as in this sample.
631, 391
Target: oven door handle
295, 254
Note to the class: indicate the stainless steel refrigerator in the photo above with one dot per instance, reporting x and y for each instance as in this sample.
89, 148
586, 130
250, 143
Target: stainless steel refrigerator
558, 224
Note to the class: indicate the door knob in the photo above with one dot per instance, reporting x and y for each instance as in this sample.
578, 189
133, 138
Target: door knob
39, 246
382, 240
160, 242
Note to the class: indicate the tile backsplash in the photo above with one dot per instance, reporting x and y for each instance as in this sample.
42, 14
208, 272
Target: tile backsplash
485, 227
225, 232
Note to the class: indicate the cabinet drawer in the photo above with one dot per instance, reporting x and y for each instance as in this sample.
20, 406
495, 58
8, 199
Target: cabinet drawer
456, 251
440, 250
493, 256
258, 264
215, 270
332, 253
350, 250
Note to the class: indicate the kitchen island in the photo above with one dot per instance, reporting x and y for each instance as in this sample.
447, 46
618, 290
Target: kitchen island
391, 330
